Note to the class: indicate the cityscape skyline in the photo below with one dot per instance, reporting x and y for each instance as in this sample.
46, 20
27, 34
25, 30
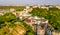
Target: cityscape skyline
30, 2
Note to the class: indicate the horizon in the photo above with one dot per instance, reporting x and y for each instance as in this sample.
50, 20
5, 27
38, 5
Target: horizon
29, 2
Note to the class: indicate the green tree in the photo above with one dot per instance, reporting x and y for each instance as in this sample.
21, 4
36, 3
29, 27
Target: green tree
9, 21
52, 14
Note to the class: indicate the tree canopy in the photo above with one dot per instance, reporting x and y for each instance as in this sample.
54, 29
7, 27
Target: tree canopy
52, 14
9, 21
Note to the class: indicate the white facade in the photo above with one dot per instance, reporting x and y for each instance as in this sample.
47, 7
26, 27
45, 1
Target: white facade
35, 6
58, 7
27, 7
1, 14
12, 9
14, 13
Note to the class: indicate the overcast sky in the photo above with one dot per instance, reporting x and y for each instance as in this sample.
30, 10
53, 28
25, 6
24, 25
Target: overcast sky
30, 2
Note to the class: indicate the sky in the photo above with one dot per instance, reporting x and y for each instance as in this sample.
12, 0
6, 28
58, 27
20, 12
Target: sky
30, 2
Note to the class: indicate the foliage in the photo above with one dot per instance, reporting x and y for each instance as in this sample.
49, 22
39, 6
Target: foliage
29, 30
52, 14
15, 7
54, 18
39, 11
9, 21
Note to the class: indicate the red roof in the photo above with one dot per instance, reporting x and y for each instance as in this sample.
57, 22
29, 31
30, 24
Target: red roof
28, 20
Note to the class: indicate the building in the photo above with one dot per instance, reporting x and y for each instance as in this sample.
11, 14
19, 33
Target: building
58, 7
35, 6
12, 9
